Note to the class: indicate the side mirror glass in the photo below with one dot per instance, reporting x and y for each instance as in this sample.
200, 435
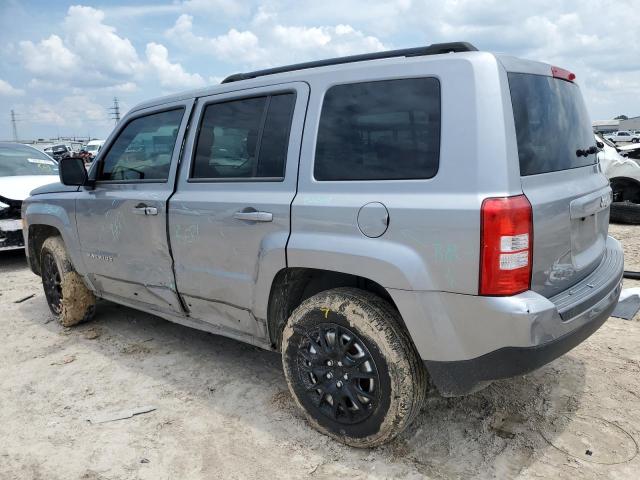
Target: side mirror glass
72, 171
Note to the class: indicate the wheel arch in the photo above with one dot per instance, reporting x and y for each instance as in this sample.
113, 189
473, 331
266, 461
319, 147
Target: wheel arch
630, 188
37, 234
45, 219
293, 285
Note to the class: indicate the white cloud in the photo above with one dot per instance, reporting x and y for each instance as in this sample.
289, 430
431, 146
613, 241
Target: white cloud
171, 75
9, 90
273, 43
98, 44
48, 57
93, 56
72, 111
230, 46
338, 40
229, 7
90, 54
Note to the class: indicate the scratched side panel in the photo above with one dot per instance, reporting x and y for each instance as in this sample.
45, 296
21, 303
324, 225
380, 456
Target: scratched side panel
125, 254
224, 266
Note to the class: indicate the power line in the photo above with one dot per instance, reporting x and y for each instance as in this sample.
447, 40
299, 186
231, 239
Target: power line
115, 110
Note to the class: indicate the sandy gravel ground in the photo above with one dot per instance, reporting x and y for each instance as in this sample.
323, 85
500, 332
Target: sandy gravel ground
223, 410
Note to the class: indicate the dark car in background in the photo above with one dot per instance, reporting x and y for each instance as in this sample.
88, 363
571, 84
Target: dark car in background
59, 152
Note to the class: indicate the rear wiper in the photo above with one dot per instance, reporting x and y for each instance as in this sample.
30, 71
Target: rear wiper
587, 151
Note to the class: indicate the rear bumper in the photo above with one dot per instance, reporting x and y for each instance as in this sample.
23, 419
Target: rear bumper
469, 341
466, 376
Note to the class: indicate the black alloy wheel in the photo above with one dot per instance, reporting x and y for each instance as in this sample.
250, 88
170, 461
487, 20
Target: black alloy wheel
52, 283
338, 373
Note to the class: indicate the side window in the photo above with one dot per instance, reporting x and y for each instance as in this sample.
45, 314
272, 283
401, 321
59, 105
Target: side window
383, 130
245, 138
143, 148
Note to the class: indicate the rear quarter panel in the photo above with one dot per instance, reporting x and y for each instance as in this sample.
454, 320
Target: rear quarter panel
432, 242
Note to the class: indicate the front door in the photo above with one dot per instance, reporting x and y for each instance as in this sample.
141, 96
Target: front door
229, 218
122, 222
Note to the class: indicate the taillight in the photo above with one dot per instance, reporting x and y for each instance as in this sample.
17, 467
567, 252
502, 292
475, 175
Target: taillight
506, 245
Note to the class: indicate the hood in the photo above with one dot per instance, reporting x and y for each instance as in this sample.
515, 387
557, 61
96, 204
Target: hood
54, 188
19, 187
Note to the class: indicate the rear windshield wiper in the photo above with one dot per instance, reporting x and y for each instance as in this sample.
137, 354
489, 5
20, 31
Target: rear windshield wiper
587, 151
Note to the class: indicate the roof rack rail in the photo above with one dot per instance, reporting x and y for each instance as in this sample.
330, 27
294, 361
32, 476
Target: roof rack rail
433, 49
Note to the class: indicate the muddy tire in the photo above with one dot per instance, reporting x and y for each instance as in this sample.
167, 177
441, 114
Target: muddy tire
352, 368
68, 297
625, 212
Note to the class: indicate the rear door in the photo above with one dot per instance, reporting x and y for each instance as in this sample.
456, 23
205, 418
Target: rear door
229, 220
569, 195
122, 221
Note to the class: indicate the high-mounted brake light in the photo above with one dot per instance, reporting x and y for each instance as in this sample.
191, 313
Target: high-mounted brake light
563, 74
506, 245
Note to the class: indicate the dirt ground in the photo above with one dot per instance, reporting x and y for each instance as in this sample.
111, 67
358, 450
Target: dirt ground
222, 409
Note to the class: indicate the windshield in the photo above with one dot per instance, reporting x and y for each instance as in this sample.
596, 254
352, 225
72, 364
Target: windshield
18, 160
552, 123
91, 148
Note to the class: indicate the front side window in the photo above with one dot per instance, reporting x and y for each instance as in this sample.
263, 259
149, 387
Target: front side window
383, 130
245, 138
144, 148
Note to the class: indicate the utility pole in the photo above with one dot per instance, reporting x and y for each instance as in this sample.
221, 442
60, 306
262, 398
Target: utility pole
115, 110
14, 126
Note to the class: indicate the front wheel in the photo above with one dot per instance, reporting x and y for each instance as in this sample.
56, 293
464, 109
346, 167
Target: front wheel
68, 297
352, 368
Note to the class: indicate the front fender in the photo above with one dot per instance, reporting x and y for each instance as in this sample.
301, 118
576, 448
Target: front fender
58, 212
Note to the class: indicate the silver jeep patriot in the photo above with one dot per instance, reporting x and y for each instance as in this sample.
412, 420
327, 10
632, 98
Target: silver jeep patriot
385, 221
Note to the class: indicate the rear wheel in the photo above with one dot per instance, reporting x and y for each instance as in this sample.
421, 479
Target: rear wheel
352, 368
68, 297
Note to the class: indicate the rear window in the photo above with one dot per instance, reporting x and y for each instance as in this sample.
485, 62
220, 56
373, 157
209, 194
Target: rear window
551, 122
383, 130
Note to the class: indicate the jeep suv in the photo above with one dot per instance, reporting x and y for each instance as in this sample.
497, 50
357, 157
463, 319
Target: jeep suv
329, 211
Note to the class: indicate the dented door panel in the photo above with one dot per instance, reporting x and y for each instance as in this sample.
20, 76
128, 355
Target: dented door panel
229, 236
122, 228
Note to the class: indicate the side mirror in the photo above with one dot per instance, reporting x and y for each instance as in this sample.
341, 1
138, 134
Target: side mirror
72, 171
600, 145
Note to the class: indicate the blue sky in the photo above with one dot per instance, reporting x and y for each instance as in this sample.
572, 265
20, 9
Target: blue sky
62, 63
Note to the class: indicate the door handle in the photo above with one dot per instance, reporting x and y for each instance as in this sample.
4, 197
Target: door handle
142, 209
254, 216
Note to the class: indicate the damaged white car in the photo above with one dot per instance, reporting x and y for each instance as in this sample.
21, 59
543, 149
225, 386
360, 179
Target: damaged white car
22, 169
624, 176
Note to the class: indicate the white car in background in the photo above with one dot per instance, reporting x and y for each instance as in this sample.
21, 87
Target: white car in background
93, 147
22, 169
624, 176
623, 136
